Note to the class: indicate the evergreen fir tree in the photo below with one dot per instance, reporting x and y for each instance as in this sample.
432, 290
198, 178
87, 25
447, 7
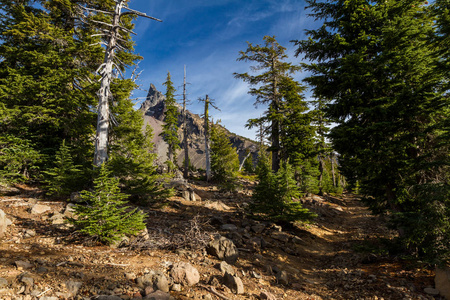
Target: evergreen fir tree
64, 177
104, 215
170, 128
268, 57
376, 62
224, 159
276, 195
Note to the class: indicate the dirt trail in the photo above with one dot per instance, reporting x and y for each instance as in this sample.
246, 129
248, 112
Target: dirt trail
338, 256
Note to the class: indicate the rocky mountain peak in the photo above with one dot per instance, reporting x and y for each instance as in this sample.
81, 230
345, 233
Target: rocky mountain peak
154, 103
153, 109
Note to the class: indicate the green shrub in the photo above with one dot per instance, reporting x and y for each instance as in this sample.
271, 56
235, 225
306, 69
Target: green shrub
64, 177
18, 159
105, 216
275, 195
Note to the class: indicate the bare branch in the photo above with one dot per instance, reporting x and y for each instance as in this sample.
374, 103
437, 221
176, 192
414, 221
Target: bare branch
95, 10
132, 11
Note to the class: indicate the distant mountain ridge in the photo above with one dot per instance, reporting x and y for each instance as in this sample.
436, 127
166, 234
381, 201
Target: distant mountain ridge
153, 109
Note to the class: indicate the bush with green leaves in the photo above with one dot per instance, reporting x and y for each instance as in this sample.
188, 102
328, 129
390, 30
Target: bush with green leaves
275, 195
104, 215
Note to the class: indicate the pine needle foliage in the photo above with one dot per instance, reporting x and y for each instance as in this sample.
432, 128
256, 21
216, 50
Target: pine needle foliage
170, 128
224, 159
276, 195
65, 176
104, 216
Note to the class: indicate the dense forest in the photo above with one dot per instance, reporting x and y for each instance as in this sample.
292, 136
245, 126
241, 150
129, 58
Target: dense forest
378, 126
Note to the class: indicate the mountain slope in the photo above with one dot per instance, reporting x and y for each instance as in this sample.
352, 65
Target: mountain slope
153, 109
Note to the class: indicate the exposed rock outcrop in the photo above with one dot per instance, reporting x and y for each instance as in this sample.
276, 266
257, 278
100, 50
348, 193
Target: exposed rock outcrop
153, 109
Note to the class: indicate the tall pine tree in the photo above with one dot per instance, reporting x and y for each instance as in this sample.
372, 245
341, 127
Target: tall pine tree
170, 128
268, 57
375, 61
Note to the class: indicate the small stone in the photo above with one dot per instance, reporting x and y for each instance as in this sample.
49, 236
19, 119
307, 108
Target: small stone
224, 267
207, 297
29, 233
176, 287
3, 283
41, 270
73, 287
442, 281
130, 276
431, 291
267, 296
38, 209
185, 274
228, 227
282, 277
159, 295
234, 283
3, 223
224, 249
23, 265
280, 236
258, 228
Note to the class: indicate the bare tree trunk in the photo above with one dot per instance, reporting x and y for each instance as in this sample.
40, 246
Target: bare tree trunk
208, 162
185, 132
332, 168
243, 161
104, 94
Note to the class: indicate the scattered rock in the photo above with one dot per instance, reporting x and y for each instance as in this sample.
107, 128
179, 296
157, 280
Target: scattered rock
442, 281
431, 291
224, 249
38, 209
217, 205
3, 283
108, 297
41, 270
73, 287
280, 236
226, 268
23, 265
29, 233
282, 277
185, 274
258, 228
267, 296
29, 283
234, 283
3, 224
176, 287
159, 295
177, 184
57, 219
298, 241
70, 210
75, 197
155, 279
228, 227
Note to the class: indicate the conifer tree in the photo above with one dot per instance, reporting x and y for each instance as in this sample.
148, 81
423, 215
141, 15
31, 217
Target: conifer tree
276, 195
170, 128
104, 215
64, 177
224, 159
375, 61
268, 57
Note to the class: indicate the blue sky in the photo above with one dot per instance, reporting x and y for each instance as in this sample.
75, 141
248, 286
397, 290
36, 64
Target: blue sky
206, 36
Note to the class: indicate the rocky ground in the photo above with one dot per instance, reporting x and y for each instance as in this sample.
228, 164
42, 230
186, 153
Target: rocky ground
205, 249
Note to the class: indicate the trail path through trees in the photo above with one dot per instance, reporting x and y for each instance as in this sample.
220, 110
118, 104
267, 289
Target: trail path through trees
339, 256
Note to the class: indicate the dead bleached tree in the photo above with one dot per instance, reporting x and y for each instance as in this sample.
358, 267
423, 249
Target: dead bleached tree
185, 131
107, 68
207, 102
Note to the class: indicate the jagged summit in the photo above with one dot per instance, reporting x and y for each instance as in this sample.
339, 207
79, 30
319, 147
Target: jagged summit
153, 109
